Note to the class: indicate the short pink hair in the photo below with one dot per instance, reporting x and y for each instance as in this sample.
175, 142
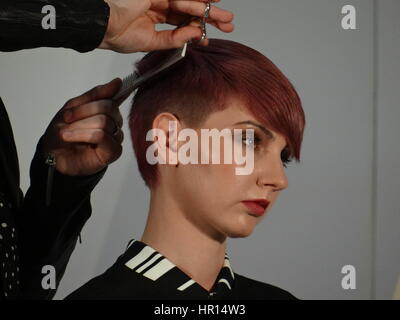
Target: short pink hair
199, 84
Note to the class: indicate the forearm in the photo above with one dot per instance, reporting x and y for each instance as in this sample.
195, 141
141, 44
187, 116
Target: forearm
79, 24
48, 233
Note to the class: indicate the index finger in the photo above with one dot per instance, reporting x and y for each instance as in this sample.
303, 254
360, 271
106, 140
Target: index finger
105, 91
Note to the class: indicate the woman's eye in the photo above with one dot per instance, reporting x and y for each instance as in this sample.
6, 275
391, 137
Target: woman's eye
248, 141
286, 159
251, 141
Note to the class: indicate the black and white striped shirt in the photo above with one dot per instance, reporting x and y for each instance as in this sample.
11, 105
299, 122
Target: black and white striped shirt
143, 273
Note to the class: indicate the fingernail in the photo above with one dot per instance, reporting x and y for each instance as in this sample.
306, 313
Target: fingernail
67, 115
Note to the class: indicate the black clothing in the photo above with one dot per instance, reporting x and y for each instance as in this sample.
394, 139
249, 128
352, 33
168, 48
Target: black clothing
32, 234
43, 235
80, 24
142, 273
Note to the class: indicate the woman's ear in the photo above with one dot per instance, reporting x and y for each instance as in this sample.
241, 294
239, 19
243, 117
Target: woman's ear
170, 125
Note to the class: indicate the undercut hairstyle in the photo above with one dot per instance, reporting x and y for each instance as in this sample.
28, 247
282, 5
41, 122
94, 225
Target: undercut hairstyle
200, 84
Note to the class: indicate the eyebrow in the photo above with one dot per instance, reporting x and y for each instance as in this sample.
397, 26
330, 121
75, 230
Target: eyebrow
265, 130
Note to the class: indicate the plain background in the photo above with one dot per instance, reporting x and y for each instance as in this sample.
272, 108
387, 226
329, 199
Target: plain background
341, 207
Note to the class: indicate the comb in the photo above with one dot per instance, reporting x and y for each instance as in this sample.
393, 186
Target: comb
131, 82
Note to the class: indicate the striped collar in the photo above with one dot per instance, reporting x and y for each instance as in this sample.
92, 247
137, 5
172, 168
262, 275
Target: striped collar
150, 263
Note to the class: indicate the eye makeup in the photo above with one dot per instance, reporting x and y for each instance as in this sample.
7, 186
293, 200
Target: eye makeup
257, 141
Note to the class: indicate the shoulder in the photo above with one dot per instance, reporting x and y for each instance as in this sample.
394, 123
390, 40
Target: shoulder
114, 284
250, 289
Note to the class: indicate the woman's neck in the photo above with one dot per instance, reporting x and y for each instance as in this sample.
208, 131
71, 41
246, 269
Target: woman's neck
192, 250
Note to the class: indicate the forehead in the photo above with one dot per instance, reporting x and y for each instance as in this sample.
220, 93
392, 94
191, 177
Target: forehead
235, 112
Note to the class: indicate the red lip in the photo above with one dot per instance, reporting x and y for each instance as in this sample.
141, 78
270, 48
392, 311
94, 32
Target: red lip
257, 206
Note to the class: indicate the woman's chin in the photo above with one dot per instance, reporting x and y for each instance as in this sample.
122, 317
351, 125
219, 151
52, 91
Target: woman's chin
242, 228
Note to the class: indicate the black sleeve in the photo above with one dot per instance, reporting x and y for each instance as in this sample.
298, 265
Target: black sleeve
48, 234
79, 24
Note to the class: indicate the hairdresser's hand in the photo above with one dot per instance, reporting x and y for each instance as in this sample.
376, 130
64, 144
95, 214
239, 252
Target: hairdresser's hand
85, 135
132, 24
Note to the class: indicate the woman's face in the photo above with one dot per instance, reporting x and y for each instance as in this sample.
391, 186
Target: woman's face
211, 195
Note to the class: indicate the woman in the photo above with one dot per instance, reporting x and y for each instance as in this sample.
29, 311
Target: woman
194, 208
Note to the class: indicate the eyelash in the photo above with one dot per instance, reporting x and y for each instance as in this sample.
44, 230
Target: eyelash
284, 155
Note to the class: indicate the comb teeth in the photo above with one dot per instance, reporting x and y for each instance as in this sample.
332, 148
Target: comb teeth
128, 80
134, 80
127, 83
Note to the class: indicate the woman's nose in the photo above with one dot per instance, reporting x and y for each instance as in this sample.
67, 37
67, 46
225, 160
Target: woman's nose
272, 173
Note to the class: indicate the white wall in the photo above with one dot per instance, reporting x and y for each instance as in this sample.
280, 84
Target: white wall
341, 205
387, 262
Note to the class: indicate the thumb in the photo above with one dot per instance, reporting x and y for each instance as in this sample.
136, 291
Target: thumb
105, 91
176, 38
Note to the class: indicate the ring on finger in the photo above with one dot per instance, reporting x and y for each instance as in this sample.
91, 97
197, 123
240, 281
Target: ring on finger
204, 20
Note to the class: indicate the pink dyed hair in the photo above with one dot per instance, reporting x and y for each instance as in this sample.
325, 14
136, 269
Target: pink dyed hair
200, 83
